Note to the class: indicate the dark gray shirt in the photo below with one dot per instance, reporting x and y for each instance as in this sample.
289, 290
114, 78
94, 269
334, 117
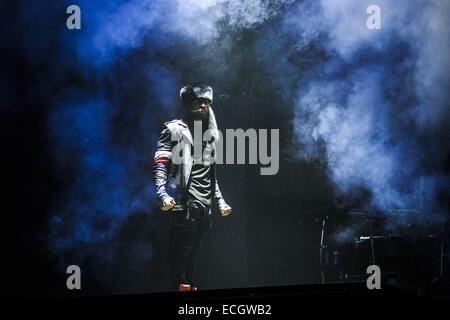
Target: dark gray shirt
200, 186
200, 183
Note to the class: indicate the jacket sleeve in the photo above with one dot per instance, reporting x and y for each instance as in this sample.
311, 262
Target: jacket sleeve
218, 195
162, 162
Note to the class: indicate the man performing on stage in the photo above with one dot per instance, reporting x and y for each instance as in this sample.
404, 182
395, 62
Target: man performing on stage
188, 188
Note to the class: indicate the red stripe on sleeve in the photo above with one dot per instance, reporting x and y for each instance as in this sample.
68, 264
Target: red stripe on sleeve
162, 160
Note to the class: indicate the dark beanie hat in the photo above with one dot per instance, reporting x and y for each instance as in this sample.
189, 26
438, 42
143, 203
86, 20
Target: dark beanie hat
196, 91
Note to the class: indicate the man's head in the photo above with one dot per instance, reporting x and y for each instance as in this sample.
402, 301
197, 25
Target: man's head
196, 99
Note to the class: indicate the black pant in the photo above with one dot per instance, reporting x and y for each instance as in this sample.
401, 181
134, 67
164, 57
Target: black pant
187, 242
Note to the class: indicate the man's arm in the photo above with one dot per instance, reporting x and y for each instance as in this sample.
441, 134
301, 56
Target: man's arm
161, 165
218, 195
223, 207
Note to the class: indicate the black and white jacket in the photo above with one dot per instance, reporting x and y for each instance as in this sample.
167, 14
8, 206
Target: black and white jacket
172, 179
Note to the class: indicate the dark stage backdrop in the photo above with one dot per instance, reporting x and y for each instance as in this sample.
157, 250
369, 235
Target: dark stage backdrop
362, 115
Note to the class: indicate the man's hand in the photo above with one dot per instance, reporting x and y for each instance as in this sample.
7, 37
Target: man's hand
224, 210
167, 204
